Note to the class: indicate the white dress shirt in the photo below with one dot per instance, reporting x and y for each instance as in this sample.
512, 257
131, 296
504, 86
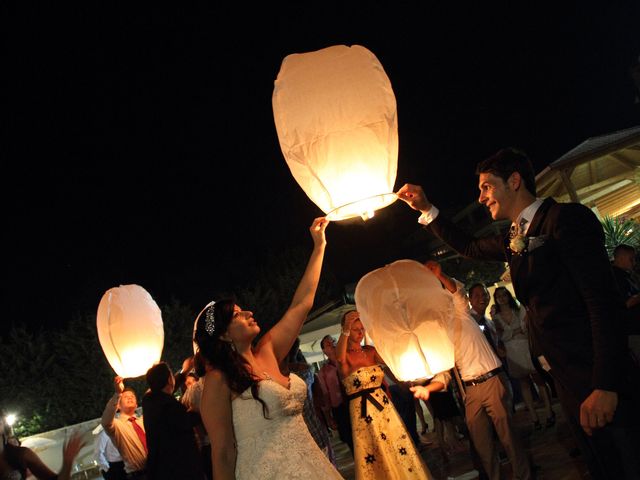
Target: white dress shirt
105, 451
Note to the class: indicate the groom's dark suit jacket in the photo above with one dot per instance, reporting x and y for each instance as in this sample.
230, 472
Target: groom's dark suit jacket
574, 310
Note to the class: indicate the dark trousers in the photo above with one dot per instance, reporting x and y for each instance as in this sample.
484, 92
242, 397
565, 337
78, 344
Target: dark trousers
207, 466
116, 471
343, 421
402, 399
612, 451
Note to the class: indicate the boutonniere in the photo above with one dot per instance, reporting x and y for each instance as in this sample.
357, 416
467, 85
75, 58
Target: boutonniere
521, 244
518, 244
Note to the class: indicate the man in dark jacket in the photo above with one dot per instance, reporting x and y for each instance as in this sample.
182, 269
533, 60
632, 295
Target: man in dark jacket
170, 437
561, 273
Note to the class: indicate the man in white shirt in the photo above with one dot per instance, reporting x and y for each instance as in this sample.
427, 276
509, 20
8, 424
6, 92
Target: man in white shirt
126, 431
486, 397
108, 457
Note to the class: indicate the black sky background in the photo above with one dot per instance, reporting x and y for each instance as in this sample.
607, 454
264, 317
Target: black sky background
140, 145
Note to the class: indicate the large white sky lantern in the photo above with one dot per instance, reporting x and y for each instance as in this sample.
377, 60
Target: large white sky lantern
335, 113
130, 330
409, 317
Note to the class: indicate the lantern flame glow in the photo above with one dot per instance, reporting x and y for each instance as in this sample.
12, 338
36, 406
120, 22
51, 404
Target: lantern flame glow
335, 114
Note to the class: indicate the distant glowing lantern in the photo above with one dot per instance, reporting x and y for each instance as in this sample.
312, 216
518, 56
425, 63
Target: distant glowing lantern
335, 113
409, 317
130, 330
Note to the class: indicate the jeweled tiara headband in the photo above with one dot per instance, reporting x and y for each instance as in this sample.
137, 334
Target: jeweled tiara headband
209, 318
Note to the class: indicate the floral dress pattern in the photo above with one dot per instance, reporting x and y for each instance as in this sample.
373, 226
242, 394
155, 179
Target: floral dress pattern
382, 446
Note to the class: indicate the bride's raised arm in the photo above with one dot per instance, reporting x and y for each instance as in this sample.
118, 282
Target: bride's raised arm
282, 335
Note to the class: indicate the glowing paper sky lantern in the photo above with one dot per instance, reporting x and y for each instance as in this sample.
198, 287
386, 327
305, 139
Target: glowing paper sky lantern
130, 330
409, 317
335, 113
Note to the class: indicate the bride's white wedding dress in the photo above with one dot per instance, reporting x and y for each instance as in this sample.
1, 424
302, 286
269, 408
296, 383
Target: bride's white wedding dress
280, 446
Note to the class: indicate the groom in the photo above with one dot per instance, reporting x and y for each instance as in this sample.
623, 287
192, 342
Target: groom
561, 273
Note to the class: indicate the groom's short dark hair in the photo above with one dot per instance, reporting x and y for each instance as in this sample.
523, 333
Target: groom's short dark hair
506, 161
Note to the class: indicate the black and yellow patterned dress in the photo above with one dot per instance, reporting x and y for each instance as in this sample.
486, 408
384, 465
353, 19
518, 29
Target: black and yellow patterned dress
382, 446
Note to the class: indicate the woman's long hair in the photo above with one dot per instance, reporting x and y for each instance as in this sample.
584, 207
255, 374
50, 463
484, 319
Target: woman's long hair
221, 354
512, 301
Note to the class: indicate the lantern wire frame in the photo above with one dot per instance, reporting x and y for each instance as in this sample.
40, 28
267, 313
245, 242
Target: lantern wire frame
364, 208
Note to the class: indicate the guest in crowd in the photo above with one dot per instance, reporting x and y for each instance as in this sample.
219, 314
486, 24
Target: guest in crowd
127, 430
404, 403
184, 377
253, 413
17, 462
169, 430
486, 397
424, 426
447, 417
479, 301
191, 400
382, 446
336, 409
512, 329
624, 262
296, 363
108, 457
190, 380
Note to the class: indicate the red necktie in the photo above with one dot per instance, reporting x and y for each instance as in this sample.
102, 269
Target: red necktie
141, 435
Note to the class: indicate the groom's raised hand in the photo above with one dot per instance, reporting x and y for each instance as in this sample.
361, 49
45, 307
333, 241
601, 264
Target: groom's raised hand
414, 196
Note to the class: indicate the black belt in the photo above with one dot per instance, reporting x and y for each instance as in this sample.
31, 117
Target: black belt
482, 378
137, 474
366, 393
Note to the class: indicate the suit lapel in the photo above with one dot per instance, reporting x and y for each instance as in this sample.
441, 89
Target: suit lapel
532, 231
520, 265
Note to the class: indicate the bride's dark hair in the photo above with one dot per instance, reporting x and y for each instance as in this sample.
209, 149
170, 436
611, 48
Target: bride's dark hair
212, 323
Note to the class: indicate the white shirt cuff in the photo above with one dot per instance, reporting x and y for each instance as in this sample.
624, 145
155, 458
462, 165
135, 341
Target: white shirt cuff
430, 216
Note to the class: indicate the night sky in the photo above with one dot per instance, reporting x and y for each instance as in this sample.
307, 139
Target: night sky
139, 145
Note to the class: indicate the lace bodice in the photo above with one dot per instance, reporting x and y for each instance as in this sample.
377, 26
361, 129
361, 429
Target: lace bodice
279, 446
282, 403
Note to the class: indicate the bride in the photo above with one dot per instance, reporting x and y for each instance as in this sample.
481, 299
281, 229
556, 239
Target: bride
253, 413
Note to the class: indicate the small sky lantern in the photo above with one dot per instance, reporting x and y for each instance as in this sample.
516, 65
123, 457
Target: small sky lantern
130, 330
409, 317
335, 113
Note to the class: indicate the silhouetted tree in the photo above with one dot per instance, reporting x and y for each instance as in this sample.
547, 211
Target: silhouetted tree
271, 290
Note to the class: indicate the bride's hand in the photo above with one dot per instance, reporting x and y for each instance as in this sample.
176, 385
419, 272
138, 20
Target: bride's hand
317, 230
